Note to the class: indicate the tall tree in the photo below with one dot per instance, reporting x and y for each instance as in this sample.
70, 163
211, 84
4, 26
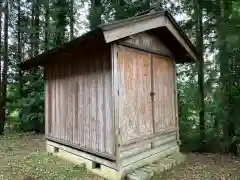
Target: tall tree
228, 63
46, 25
19, 50
36, 26
71, 19
61, 8
32, 28
1, 50
95, 13
200, 64
5, 69
120, 11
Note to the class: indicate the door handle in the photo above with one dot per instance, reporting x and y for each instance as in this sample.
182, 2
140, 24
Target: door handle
152, 93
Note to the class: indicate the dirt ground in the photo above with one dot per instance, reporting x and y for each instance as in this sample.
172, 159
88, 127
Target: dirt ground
22, 157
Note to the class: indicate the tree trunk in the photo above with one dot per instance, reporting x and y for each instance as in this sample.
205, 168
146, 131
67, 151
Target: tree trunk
227, 79
46, 29
200, 64
32, 33
1, 49
61, 6
19, 53
120, 10
4, 73
95, 14
71, 19
37, 27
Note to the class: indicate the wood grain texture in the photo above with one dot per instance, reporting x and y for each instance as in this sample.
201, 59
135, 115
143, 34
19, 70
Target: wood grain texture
148, 41
79, 95
133, 28
135, 113
164, 88
144, 146
176, 99
115, 99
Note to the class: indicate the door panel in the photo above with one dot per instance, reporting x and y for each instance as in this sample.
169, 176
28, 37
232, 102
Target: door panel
163, 87
135, 111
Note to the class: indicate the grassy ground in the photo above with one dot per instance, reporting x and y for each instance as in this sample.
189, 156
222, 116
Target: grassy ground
23, 158
204, 167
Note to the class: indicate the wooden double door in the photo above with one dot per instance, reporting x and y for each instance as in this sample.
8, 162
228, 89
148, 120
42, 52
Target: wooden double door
146, 97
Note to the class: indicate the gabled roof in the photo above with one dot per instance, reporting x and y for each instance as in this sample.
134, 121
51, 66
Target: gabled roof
161, 24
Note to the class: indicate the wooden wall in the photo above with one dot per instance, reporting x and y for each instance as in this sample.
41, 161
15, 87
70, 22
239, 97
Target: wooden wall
78, 101
139, 118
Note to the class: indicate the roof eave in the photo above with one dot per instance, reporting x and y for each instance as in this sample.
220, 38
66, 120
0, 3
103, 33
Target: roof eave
123, 28
40, 59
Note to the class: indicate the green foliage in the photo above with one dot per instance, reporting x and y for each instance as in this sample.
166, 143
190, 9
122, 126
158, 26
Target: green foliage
26, 112
221, 27
32, 104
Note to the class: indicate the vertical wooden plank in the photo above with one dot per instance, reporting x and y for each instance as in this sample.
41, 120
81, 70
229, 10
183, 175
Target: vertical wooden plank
79, 105
49, 93
152, 95
66, 89
62, 101
71, 101
176, 100
75, 103
115, 103
57, 100
93, 120
53, 102
108, 105
100, 109
81, 100
87, 106
46, 101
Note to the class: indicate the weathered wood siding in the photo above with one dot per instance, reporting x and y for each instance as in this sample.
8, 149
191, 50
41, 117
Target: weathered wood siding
78, 101
146, 110
135, 110
148, 41
135, 152
164, 93
139, 74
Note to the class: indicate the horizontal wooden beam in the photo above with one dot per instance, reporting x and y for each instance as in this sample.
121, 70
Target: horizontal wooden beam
108, 157
142, 48
87, 156
148, 138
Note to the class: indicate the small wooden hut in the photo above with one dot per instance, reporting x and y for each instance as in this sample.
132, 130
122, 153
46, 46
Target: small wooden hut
110, 95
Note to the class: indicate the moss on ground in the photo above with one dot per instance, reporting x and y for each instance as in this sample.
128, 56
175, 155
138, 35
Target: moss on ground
22, 157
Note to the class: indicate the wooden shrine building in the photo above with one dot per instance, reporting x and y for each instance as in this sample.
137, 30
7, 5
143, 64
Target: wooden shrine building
110, 95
